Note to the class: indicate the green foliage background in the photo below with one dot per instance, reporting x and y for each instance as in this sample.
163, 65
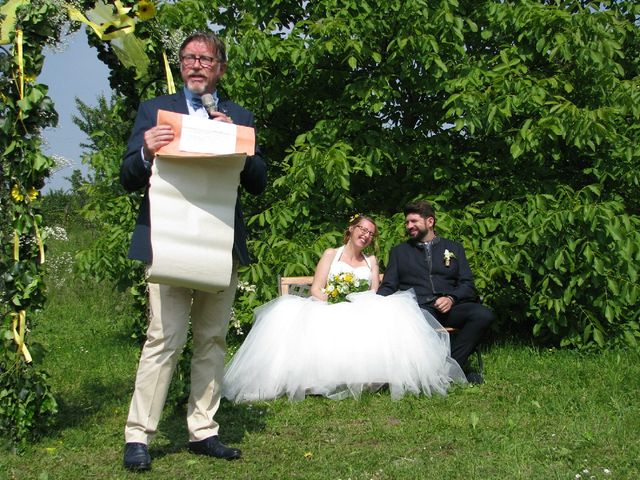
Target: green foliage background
518, 120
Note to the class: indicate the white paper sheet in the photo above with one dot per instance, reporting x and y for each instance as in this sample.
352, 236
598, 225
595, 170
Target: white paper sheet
205, 136
192, 219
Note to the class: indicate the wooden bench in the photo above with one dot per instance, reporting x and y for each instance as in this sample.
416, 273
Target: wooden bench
301, 287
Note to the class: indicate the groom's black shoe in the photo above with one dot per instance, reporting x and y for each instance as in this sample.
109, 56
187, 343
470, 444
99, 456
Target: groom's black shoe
213, 447
136, 457
475, 378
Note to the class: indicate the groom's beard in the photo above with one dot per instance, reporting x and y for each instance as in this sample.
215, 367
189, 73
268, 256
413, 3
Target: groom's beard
418, 234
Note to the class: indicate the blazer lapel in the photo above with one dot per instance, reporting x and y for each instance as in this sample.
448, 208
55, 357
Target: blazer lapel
181, 102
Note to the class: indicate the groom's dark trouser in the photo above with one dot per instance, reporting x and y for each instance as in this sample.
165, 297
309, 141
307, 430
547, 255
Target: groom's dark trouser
471, 320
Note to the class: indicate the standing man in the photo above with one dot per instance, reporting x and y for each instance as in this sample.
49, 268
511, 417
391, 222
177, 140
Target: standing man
203, 62
438, 271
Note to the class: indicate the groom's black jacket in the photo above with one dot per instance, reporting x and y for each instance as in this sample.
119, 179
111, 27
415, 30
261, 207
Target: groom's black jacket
410, 267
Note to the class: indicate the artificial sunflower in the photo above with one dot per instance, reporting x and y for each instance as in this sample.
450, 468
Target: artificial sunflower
16, 194
145, 10
32, 194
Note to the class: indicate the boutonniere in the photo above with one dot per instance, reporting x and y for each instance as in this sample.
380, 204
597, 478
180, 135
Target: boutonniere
447, 257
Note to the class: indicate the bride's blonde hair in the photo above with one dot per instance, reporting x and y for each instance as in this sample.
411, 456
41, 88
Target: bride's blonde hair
354, 221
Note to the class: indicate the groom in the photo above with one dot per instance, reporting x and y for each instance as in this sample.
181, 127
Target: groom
438, 271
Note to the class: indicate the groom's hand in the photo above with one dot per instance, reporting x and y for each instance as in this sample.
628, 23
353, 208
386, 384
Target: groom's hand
443, 304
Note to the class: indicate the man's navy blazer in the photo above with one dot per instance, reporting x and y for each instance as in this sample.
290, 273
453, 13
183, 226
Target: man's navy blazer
135, 173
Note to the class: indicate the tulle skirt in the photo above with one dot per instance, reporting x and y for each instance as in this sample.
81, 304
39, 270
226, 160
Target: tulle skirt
302, 346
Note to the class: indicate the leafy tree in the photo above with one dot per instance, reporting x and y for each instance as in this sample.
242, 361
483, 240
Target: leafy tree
504, 114
480, 107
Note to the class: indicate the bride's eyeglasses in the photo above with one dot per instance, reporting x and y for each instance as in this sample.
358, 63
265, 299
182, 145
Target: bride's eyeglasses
365, 230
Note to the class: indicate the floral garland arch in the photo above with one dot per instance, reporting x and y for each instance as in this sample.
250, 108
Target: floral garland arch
25, 26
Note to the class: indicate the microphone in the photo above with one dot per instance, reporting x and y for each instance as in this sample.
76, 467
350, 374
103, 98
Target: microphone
210, 103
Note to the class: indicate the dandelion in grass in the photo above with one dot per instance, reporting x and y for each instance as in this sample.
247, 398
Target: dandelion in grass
343, 284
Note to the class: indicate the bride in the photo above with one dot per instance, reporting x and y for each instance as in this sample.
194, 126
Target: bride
312, 346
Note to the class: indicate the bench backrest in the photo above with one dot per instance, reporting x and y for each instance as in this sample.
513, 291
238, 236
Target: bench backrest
300, 286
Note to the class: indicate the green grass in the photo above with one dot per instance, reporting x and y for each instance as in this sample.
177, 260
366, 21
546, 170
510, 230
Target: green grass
543, 414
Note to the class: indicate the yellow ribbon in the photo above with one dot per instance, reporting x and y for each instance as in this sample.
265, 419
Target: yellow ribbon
116, 27
113, 26
39, 240
20, 63
171, 87
16, 246
19, 325
8, 12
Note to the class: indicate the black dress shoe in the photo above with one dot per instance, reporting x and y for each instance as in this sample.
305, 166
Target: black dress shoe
136, 457
475, 378
213, 447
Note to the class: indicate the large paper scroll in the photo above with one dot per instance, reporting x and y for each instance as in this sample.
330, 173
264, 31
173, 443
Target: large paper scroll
195, 136
192, 197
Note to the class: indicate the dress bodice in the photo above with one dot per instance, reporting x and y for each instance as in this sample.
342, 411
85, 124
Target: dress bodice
337, 266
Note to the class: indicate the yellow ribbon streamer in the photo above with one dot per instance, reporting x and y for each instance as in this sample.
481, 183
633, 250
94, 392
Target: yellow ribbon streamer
114, 25
39, 240
171, 87
19, 326
20, 63
8, 12
16, 247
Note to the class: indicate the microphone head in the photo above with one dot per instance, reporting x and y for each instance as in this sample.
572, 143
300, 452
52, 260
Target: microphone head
209, 102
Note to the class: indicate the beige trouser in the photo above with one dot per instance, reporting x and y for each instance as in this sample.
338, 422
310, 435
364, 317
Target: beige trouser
171, 308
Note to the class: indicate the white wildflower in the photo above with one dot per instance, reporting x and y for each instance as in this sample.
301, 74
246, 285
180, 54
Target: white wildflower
56, 233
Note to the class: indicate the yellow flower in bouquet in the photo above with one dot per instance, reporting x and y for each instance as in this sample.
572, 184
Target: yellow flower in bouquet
342, 284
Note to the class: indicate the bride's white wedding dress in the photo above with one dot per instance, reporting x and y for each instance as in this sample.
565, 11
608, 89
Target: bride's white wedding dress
300, 346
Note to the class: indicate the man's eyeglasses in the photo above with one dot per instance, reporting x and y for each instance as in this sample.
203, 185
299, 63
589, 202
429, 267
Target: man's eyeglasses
189, 60
365, 230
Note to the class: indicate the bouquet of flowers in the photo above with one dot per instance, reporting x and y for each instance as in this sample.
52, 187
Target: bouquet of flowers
342, 284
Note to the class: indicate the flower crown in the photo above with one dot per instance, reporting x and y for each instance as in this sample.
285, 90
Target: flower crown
354, 217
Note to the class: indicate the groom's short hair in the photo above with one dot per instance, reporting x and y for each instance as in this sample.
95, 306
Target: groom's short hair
422, 208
